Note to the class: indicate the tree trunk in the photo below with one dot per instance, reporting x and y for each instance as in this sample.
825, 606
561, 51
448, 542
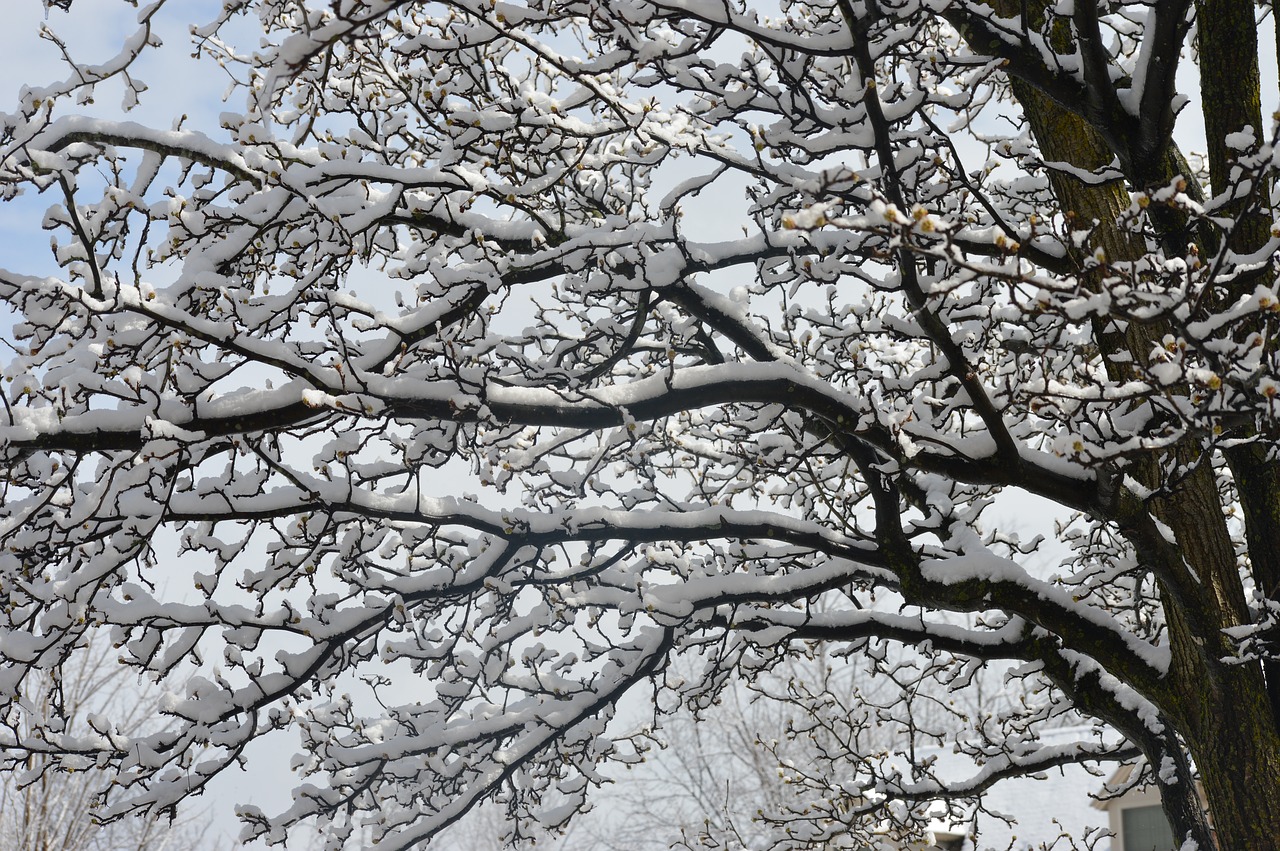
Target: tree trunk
1231, 81
1238, 755
1223, 712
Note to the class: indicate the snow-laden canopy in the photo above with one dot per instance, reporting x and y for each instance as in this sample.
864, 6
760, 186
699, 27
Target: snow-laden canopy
490, 358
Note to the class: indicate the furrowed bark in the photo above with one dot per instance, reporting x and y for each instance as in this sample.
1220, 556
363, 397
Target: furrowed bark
1231, 81
1231, 84
1065, 137
1223, 711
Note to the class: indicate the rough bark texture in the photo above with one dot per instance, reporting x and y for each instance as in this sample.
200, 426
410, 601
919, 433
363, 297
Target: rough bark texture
1231, 81
1226, 714
960, 364
1235, 741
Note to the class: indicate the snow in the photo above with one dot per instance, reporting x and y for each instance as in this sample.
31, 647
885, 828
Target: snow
429, 251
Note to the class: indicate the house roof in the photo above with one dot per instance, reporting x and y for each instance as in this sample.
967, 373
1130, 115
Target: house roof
1121, 779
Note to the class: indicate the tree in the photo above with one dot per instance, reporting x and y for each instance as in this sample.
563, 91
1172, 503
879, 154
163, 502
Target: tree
735, 775
45, 810
462, 239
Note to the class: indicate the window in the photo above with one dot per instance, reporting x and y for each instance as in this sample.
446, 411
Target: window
1146, 829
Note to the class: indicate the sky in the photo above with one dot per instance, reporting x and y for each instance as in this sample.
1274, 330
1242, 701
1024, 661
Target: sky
92, 32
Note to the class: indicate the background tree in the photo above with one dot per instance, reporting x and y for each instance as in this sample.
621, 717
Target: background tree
735, 774
47, 808
463, 238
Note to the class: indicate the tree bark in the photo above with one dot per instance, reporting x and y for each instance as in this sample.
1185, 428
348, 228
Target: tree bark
1225, 713
1231, 81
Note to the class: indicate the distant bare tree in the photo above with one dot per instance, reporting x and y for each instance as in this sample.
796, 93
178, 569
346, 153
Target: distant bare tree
717, 780
43, 809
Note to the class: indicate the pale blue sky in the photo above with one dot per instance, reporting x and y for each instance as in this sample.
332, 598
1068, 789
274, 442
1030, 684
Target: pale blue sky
93, 31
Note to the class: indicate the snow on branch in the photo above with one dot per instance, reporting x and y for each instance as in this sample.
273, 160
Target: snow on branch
484, 365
